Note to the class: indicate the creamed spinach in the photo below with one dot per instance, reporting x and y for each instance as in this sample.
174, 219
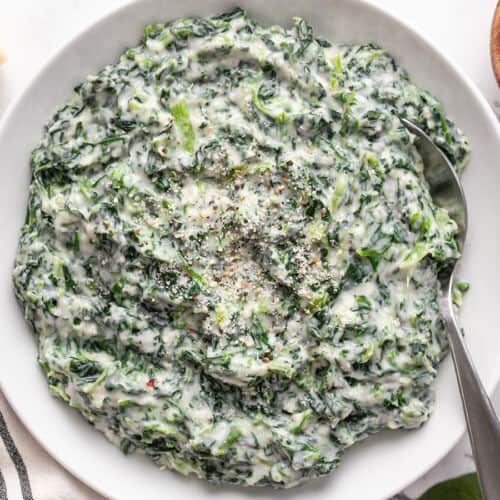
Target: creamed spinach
230, 252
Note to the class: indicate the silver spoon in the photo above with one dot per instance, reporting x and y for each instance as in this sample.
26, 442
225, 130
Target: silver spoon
482, 423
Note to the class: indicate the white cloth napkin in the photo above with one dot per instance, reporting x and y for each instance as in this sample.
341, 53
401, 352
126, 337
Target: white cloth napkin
27, 472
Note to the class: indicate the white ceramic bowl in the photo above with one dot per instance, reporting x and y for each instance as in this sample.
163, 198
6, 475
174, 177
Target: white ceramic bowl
378, 467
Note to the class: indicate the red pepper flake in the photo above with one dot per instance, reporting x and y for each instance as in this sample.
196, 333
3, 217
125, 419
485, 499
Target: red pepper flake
150, 382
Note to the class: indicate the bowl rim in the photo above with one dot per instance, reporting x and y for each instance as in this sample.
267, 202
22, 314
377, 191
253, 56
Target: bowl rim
367, 5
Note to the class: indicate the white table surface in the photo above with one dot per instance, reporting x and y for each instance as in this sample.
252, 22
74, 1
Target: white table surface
31, 30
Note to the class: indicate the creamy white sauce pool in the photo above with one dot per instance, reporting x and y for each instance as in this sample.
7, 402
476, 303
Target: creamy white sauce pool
230, 252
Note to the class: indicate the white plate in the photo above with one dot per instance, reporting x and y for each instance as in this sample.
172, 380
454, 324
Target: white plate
383, 464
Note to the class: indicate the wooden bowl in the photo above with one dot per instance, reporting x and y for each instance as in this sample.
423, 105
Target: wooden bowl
495, 43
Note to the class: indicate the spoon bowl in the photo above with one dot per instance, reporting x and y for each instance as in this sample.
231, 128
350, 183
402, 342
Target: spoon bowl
444, 184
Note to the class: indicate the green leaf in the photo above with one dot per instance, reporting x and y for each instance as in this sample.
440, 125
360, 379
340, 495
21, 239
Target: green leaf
363, 303
74, 243
463, 286
69, 282
418, 252
283, 368
372, 255
318, 302
194, 275
108, 140
304, 417
183, 124
337, 65
259, 334
340, 186
460, 488
117, 290
231, 438
277, 116
87, 369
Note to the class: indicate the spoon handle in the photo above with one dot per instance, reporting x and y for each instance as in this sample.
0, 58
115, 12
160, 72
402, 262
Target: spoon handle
482, 422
